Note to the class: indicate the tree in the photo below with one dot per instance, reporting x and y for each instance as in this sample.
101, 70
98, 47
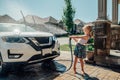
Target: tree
68, 16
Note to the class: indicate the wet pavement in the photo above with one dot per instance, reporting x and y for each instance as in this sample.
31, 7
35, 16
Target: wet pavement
35, 72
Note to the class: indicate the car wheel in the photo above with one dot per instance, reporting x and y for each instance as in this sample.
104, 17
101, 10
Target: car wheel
3, 68
49, 65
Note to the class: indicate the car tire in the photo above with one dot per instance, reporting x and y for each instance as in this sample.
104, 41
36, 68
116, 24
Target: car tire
4, 68
48, 65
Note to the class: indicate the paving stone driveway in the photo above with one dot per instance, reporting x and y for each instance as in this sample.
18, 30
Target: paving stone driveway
35, 72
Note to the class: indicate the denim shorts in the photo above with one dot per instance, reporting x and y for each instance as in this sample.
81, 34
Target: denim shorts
80, 50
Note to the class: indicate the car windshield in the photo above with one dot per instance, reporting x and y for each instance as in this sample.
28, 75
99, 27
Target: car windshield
15, 27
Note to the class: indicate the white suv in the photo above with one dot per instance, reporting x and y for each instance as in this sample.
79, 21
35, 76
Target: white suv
20, 44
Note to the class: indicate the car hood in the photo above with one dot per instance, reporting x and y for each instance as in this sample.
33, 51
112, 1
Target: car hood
25, 34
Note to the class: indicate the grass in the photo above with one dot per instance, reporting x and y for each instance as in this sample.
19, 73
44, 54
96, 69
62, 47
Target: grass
66, 47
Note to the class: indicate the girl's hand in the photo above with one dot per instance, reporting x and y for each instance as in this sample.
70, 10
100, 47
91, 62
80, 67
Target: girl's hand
70, 38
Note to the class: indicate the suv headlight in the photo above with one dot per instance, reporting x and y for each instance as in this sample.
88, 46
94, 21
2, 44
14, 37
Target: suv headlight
13, 39
54, 38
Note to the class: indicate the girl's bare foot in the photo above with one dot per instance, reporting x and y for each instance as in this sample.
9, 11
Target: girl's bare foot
74, 70
83, 72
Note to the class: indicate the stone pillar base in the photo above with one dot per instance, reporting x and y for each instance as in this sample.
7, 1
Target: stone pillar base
115, 37
102, 37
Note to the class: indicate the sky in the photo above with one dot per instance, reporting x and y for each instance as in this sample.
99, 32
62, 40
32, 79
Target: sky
86, 10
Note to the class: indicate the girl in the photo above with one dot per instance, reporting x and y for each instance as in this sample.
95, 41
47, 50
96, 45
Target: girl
79, 50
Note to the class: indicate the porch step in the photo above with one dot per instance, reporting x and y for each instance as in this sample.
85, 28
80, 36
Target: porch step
115, 53
107, 60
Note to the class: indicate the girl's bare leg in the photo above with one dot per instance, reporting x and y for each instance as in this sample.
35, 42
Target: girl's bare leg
75, 63
82, 65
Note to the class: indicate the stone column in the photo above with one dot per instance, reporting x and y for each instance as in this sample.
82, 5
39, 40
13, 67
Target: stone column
102, 9
115, 28
115, 11
118, 1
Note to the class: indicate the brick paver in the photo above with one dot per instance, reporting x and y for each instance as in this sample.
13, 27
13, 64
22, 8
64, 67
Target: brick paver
93, 72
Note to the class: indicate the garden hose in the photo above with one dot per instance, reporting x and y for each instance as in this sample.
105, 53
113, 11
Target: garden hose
70, 46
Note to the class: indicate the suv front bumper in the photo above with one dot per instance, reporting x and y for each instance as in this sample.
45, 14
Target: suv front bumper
33, 60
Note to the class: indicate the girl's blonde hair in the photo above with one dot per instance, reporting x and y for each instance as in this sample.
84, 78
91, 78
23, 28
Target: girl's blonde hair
89, 27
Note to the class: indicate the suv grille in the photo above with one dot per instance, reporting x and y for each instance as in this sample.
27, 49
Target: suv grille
39, 43
43, 40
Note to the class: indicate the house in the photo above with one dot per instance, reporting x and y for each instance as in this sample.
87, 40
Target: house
7, 19
48, 24
78, 25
